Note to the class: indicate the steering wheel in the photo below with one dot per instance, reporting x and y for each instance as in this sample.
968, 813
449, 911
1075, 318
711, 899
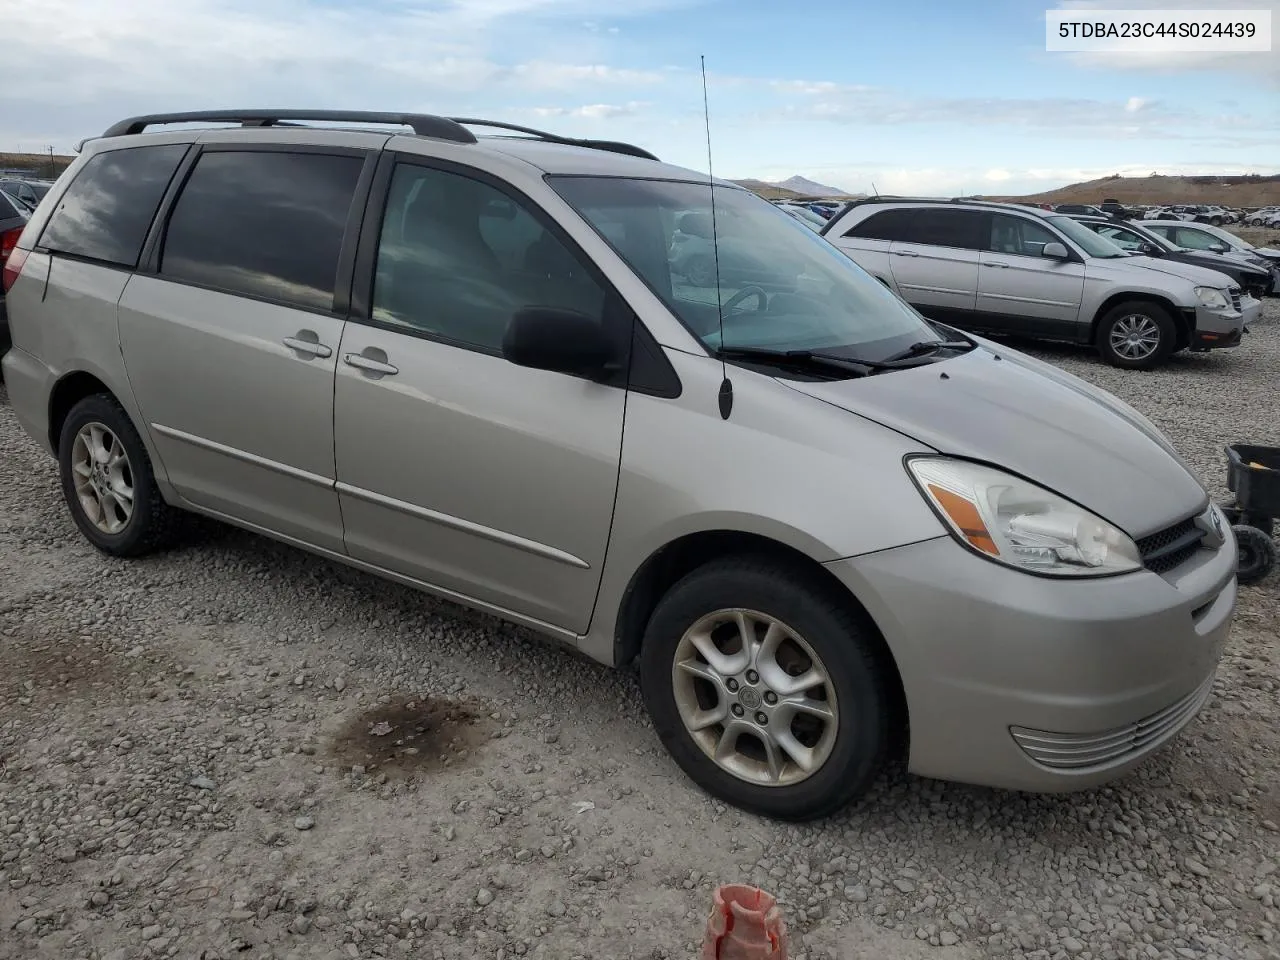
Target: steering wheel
762, 298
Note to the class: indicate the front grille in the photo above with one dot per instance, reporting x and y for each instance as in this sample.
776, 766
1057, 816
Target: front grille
1235, 297
1082, 751
1166, 549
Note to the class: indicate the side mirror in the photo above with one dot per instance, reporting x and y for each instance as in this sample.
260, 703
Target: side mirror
1055, 251
1149, 249
562, 341
1219, 247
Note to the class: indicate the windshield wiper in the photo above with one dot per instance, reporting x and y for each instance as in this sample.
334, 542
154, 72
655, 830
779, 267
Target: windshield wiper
926, 348
831, 361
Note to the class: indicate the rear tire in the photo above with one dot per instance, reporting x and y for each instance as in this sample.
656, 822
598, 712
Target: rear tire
108, 482
719, 716
1136, 335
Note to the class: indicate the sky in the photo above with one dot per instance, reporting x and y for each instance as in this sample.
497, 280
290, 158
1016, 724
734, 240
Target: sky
936, 97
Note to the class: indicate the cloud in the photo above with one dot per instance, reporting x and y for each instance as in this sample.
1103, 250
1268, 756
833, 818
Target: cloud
1131, 118
593, 111
73, 66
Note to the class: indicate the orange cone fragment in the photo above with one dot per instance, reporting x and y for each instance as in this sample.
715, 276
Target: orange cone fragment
745, 924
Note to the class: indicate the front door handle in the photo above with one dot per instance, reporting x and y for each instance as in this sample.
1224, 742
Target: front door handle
905, 253
307, 343
1003, 266
370, 364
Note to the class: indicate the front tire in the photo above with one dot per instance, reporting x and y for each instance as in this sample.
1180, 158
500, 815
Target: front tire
108, 482
768, 691
1136, 336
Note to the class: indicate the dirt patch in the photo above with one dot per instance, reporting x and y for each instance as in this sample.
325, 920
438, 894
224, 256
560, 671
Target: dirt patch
412, 735
64, 664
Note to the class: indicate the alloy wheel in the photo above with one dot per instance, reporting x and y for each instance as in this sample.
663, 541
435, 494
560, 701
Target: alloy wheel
1135, 337
755, 697
103, 478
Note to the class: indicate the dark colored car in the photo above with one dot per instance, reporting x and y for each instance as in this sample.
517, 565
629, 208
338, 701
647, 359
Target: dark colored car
27, 193
12, 219
1255, 281
1078, 209
1113, 208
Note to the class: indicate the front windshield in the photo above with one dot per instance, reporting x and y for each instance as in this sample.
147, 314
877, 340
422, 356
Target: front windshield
778, 284
1086, 239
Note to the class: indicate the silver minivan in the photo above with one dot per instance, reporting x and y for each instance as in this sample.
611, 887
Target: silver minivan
828, 530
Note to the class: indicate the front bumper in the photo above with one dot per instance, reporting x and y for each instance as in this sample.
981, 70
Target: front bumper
1223, 328
1006, 673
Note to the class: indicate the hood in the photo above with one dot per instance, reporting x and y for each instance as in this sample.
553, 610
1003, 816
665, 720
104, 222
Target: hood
1198, 272
1023, 415
1269, 253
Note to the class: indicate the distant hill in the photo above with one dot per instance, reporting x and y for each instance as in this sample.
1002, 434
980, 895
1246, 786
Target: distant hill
790, 188
1232, 191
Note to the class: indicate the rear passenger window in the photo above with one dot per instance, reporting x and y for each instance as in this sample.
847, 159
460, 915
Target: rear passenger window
947, 228
885, 225
106, 212
458, 258
264, 224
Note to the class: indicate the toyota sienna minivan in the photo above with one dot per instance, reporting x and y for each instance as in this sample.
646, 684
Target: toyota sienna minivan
828, 529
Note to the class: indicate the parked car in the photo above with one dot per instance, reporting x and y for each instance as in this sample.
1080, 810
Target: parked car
13, 218
1203, 236
1008, 269
1113, 208
1261, 218
28, 193
1264, 256
827, 527
1079, 208
1141, 239
804, 215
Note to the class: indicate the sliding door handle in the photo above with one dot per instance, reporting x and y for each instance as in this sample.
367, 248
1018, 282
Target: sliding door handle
307, 346
369, 364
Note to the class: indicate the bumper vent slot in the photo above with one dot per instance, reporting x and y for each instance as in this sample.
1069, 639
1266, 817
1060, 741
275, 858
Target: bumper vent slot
1085, 751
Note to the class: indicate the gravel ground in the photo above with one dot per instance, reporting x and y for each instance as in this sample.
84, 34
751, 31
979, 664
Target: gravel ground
194, 762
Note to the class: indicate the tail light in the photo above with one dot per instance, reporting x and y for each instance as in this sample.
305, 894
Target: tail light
11, 257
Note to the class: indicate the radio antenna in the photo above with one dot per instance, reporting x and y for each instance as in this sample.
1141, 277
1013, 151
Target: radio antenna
726, 386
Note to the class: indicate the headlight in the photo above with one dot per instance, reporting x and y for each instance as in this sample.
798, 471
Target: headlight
1213, 298
1011, 521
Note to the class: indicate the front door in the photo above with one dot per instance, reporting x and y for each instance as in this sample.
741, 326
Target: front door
455, 467
231, 347
1021, 290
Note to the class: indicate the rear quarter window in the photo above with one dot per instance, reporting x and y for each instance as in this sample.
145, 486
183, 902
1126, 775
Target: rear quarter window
882, 225
105, 214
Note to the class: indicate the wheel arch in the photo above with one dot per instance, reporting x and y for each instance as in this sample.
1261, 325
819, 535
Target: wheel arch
1183, 324
67, 391
669, 563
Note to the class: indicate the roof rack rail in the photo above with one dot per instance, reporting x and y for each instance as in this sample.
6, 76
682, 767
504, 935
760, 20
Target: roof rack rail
423, 124
613, 146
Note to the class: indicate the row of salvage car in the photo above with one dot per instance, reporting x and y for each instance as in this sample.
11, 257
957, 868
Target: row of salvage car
1137, 291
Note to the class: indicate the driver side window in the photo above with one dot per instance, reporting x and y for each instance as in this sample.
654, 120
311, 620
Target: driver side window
1195, 239
457, 258
1122, 238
